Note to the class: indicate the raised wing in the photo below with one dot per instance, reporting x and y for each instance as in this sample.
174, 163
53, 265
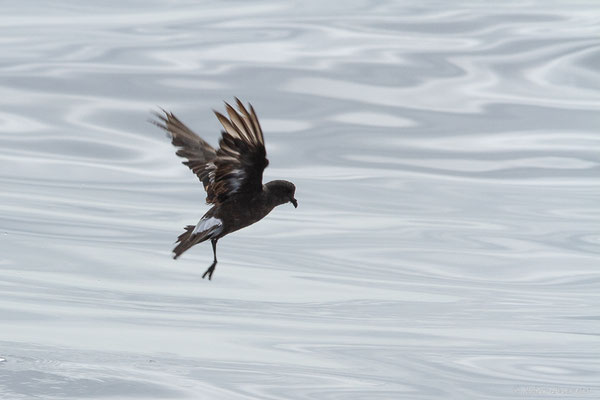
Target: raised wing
190, 146
241, 158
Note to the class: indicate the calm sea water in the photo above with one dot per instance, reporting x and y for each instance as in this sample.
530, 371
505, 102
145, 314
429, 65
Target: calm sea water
447, 239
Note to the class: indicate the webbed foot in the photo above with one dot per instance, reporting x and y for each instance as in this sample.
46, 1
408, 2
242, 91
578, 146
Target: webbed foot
210, 271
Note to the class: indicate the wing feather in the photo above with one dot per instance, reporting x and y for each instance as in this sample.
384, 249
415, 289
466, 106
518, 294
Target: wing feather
241, 158
241, 127
190, 146
237, 166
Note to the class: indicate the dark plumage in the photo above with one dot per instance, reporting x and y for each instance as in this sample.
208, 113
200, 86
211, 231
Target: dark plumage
231, 175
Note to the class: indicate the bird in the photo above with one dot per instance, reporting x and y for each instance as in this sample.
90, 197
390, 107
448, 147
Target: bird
231, 175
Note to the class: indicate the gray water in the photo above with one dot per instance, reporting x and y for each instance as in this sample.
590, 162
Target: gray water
447, 239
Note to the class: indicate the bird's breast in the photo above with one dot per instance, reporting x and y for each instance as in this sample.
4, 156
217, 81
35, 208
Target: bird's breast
240, 213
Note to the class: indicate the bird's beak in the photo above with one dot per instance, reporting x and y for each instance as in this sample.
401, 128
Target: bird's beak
294, 202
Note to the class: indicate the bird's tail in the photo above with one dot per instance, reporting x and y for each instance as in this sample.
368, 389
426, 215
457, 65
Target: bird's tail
186, 240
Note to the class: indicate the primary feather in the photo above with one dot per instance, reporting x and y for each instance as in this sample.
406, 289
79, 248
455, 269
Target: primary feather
237, 166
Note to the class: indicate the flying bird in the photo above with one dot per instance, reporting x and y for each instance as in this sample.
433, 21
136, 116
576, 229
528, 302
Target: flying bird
231, 175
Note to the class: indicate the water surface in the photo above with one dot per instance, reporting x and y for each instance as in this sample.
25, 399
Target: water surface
447, 239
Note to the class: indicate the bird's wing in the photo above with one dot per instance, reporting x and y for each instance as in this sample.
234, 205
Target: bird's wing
241, 158
190, 146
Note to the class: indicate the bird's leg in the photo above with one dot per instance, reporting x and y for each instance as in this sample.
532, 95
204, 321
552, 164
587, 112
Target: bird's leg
211, 269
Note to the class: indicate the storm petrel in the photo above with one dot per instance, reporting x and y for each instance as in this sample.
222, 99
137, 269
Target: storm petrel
231, 175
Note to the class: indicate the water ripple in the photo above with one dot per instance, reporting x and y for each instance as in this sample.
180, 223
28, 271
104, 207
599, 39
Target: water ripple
446, 162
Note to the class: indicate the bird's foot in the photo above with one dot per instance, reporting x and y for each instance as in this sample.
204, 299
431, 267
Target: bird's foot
210, 271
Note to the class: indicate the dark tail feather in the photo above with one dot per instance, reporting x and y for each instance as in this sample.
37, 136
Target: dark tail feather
184, 241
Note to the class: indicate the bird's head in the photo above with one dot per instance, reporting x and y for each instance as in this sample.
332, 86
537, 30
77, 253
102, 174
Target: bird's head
282, 192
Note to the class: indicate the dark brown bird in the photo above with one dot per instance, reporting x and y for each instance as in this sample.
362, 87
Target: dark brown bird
231, 175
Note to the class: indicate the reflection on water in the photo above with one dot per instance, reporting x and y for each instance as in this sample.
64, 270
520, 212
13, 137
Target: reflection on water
447, 241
